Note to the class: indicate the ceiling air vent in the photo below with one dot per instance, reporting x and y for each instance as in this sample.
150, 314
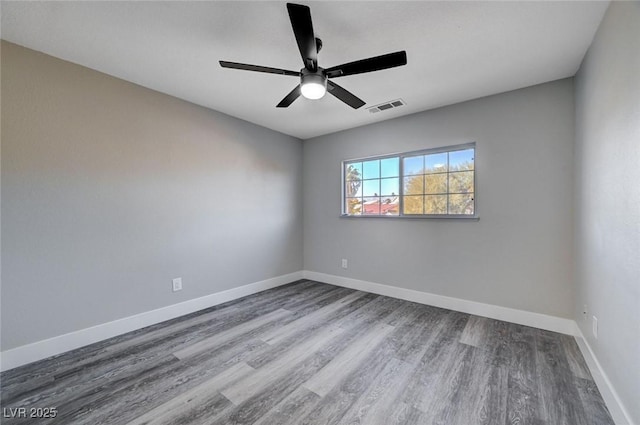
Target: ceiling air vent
386, 105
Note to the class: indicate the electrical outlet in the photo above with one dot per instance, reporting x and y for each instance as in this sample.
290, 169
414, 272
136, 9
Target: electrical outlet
345, 263
594, 326
177, 284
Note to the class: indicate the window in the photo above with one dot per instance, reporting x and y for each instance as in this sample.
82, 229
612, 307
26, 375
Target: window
429, 183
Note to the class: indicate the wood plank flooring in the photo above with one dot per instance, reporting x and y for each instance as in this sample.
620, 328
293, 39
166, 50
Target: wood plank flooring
310, 353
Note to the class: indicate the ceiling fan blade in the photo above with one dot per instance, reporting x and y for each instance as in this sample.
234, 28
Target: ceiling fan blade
376, 63
288, 99
344, 95
300, 17
257, 68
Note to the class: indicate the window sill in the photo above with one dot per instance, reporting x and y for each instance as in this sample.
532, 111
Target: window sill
415, 217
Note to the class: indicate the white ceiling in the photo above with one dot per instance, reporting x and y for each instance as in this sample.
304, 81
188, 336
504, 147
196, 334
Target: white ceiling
456, 50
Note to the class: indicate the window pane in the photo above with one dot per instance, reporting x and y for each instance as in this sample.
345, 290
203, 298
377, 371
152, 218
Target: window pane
461, 204
435, 204
353, 206
353, 188
371, 187
390, 205
371, 169
436, 163
390, 167
461, 160
413, 204
461, 182
389, 186
371, 206
413, 165
353, 171
435, 183
414, 185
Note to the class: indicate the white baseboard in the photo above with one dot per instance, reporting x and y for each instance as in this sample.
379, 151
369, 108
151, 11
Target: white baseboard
618, 412
521, 317
50, 347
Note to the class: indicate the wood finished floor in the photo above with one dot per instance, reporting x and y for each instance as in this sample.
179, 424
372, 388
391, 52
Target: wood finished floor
311, 353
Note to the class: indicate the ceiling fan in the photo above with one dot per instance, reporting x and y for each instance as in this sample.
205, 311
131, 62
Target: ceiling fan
314, 80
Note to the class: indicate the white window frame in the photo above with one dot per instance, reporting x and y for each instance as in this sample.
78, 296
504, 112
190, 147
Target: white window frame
401, 156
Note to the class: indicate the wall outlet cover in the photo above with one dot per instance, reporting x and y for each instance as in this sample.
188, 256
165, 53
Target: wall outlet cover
177, 284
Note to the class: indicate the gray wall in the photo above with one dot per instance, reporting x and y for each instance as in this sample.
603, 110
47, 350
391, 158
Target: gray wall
607, 181
518, 255
110, 190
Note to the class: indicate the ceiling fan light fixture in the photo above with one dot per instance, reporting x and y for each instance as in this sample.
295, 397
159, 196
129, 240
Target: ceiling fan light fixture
313, 91
313, 86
